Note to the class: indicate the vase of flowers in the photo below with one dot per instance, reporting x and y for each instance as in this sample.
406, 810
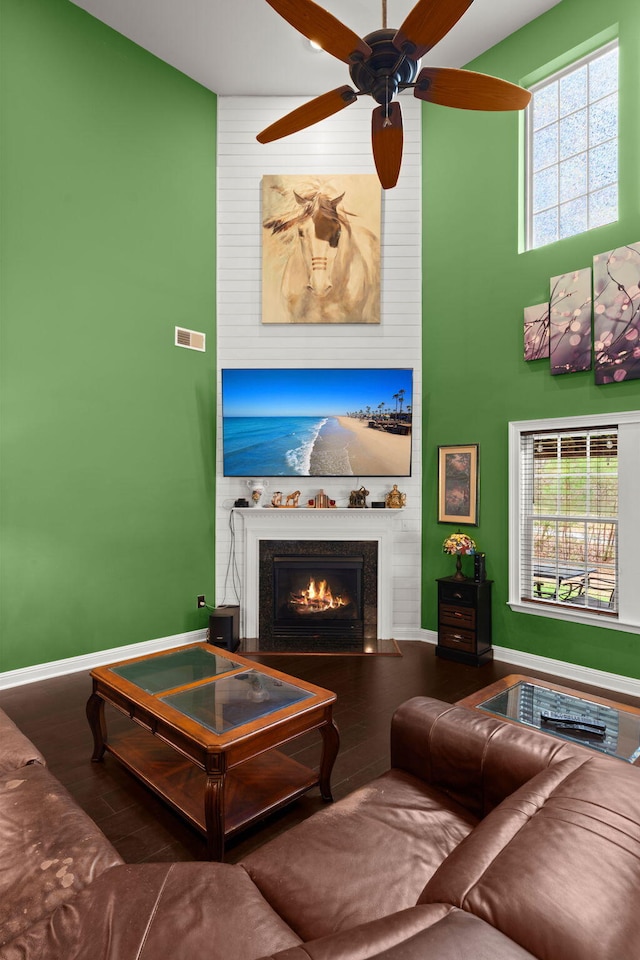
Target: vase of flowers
457, 544
257, 488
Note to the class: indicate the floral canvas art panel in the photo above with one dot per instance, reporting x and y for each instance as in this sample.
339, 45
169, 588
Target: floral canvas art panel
321, 248
570, 322
616, 313
536, 332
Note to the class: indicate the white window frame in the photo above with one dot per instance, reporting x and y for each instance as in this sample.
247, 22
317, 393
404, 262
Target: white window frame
529, 135
628, 424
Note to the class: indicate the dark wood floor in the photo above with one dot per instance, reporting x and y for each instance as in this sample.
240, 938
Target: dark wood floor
51, 713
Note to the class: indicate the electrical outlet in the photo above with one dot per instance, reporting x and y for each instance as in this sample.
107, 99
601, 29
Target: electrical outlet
201, 601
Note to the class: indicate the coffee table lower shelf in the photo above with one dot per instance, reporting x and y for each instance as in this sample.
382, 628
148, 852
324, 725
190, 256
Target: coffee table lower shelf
252, 790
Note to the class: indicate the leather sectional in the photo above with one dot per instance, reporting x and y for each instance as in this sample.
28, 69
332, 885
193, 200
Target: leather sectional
484, 841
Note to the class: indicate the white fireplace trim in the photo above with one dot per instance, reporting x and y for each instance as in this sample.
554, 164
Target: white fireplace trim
309, 524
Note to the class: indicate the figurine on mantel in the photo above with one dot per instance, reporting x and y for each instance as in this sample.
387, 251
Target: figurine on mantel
394, 499
291, 499
358, 498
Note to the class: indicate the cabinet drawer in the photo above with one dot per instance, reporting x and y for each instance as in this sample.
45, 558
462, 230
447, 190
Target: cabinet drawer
457, 639
458, 616
457, 593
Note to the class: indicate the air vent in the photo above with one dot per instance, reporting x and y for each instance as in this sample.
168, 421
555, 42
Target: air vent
191, 339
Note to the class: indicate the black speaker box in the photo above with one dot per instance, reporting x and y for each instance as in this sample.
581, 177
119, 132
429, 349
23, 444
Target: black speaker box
224, 628
479, 568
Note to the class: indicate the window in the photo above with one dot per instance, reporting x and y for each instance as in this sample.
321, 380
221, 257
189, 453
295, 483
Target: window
572, 149
569, 518
574, 519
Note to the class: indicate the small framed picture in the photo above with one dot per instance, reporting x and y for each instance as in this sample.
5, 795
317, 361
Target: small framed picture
458, 484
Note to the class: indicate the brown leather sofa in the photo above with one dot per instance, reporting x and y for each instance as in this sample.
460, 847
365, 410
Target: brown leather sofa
484, 841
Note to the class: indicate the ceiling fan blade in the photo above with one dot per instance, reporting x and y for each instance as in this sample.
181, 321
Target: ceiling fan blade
309, 113
316, 24
469, 90
427, 24
387, 140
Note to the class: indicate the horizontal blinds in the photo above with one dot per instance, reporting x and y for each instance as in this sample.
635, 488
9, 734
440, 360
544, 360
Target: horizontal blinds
569, 517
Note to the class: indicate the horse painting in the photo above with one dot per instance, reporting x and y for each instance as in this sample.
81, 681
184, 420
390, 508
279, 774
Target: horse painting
320, 263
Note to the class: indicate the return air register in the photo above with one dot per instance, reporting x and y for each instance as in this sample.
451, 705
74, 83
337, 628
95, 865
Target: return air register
191, 339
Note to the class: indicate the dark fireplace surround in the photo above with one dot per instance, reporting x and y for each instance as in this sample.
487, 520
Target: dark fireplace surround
349, 569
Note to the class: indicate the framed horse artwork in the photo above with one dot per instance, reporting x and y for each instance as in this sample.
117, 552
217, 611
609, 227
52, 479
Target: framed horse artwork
321, 249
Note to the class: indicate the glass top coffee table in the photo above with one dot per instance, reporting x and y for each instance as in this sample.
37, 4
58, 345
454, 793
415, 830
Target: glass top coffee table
205, 725
603, 725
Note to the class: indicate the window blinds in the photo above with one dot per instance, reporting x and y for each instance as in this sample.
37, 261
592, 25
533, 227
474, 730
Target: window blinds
569, 518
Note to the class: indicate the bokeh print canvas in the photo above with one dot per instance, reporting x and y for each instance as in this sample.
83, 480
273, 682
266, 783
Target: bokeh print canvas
536, 332
616, 333
570, 322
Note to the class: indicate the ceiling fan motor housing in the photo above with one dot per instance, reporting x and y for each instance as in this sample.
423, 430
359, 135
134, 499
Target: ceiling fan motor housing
381, 74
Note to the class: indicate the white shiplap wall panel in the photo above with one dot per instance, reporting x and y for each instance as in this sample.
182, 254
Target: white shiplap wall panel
340, 144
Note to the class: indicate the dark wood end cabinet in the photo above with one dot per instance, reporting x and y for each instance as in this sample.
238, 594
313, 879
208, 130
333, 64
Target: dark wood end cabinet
464, 620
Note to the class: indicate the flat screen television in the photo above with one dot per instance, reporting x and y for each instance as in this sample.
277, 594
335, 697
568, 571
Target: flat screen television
317, 422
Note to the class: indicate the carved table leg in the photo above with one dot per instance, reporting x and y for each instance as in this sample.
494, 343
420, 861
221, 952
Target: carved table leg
214, 815
330, 747
95, 716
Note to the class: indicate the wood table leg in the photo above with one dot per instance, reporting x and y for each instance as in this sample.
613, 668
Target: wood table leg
95, 716
214, 815
330, 747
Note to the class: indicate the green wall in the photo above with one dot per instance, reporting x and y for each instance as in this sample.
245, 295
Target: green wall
107, 429
476, 285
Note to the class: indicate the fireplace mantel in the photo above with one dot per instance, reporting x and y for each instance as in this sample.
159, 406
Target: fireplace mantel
269, 514
304, 523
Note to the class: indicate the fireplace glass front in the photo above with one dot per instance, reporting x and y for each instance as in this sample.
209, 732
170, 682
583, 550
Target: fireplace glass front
317, 597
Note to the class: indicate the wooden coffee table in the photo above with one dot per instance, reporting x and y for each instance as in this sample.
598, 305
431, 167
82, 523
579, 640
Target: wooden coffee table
523, 700
202, 730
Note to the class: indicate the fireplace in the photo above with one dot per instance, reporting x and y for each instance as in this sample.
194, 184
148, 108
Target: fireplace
317, 595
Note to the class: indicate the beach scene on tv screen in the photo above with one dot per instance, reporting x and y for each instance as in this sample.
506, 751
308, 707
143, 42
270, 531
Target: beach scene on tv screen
317, 423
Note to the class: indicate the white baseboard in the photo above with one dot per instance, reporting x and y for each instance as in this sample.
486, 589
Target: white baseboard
524, 661
411, 633
559, 668
569, 671
87, 661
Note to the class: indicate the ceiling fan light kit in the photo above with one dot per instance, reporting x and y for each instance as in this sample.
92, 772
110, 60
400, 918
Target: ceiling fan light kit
383, 64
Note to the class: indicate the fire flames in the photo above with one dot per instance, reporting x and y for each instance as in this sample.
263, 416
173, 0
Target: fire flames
317, 598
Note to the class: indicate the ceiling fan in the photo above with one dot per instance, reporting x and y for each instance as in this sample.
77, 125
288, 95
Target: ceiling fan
383, 64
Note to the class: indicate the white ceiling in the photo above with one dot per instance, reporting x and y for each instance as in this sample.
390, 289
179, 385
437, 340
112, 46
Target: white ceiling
243, 48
